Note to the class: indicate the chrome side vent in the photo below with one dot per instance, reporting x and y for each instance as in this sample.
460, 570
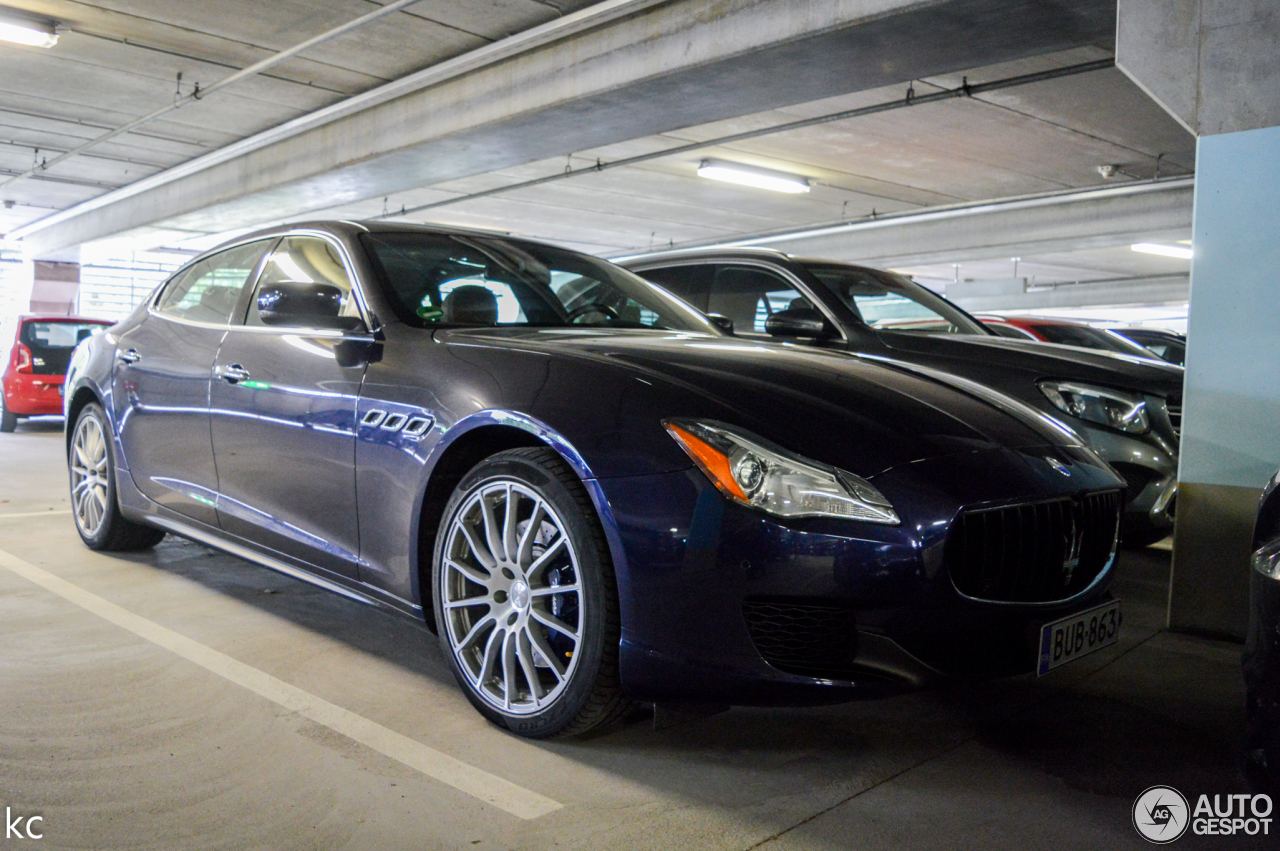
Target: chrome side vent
414, 426
417, 426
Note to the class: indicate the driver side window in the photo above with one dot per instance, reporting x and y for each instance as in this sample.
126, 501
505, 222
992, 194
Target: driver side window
749, 295
305, 260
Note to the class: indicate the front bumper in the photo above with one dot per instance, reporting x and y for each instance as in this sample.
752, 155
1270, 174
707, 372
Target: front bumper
33, 395
721, 603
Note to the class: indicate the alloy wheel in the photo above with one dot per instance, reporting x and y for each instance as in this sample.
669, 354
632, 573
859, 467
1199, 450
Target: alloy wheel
89, 475
511, 597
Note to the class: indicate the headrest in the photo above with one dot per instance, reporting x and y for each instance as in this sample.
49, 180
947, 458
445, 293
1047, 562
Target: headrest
470, 305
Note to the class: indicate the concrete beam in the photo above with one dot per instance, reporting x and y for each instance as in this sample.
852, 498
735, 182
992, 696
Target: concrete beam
1058, 222
666, 66
1213, 66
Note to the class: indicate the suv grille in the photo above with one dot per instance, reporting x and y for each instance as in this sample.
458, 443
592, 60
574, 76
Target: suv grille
1174, 405
810, 639
1136, 479
1036, 552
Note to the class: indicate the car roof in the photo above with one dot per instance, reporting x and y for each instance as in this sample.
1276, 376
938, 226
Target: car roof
351, 226
733, 252
62, 317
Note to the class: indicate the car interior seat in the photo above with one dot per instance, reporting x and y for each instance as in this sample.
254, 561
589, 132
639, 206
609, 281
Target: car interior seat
470, 305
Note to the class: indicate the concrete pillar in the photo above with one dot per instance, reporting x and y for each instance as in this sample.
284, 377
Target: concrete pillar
54, 284
1214, 66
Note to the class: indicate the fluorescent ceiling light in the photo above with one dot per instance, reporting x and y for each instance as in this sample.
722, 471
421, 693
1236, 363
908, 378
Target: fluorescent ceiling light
746, 175
33, 34
1179, 251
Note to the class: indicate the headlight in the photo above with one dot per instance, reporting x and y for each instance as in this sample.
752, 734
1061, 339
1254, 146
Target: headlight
1266, 559
774, 480
1114, 408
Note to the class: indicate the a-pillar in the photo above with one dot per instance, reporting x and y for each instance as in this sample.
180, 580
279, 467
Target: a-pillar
1214, 66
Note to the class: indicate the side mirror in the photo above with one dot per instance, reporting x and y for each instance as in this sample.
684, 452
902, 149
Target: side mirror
798, 322
721, 321
305, 305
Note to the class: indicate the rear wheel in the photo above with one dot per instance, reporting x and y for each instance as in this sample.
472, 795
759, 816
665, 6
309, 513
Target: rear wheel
93, 489
526, 601
8, 419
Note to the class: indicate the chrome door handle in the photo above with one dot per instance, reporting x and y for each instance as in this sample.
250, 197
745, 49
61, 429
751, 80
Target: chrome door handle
129, 356
233, 374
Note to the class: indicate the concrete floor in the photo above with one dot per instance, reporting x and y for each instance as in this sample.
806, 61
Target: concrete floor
117, 742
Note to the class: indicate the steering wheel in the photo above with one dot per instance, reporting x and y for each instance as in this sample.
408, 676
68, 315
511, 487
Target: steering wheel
594, 307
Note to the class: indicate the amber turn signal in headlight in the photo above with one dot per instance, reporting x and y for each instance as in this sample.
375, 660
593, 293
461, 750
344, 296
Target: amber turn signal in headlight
749, 471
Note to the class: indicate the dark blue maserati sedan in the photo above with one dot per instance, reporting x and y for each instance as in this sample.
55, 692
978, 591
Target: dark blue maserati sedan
591, 494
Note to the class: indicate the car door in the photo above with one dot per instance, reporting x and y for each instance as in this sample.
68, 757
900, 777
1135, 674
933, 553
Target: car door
282, 413
161, 381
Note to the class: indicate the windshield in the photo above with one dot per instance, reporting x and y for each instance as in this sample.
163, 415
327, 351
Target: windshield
890, 302
452, 280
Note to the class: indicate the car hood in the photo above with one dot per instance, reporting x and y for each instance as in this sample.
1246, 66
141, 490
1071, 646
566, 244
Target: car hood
857, 414
985, 358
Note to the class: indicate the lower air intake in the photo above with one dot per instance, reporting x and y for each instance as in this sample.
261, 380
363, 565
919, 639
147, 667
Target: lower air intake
809, 639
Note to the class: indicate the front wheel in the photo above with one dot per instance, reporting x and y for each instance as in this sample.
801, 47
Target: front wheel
526, 600
93, 489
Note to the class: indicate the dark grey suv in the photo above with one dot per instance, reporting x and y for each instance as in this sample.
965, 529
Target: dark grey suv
1128, 409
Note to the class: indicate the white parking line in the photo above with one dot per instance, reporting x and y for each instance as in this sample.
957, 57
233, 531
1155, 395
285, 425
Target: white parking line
49, 513
489, 788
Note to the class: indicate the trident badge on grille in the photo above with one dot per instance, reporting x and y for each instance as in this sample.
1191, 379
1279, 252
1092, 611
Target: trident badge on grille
1073, 538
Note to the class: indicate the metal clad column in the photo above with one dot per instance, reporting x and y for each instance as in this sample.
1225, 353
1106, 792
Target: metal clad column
1214, 67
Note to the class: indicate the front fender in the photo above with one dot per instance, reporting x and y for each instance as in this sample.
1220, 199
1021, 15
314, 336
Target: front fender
89, 379
544, 433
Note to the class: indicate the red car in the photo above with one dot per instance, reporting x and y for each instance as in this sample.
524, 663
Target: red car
1064, 332
32, 381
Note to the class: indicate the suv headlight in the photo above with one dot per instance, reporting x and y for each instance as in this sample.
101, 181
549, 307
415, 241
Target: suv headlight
748, 471
1113, 408
1266, 559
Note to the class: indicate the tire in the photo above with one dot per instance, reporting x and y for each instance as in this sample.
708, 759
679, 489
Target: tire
93, 489
537, 663
8, 419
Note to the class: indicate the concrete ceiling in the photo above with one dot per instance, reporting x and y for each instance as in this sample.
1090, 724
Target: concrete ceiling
1036, 138
118, 59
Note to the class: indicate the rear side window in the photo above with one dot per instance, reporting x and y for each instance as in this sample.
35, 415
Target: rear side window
691, 283
209, 290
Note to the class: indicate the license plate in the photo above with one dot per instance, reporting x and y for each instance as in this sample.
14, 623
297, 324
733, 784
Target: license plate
1078, 635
